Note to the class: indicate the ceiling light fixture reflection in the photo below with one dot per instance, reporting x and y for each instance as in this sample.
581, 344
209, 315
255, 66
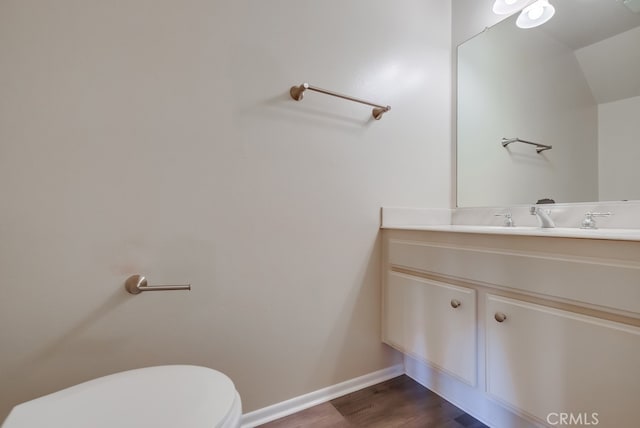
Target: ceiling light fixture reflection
535, 14
507, 7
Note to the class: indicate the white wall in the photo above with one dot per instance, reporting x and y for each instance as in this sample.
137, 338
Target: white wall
470, 17
615, 83
619, 76
158, 137
523, 83
619, 151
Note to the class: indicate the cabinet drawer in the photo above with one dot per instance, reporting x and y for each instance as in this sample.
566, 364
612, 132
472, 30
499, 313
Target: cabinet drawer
566, 276
546, 361
420, 319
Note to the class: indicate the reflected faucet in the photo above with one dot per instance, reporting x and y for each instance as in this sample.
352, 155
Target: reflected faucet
508, 218
544, 220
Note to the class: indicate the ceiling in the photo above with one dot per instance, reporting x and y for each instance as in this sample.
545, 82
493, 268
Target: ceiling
580, 23
604, 35
617, 77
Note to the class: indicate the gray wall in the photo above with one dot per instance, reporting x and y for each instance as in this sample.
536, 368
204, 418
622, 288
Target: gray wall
158, 137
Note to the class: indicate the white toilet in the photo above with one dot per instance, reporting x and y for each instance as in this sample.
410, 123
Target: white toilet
154, 397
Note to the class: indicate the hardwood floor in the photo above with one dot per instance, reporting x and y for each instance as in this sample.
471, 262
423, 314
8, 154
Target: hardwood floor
399, 402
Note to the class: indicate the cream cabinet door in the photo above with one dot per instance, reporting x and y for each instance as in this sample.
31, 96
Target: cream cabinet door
433, 321
554, 364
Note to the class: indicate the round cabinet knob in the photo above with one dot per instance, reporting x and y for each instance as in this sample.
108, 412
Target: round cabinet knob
455, 303
500, 317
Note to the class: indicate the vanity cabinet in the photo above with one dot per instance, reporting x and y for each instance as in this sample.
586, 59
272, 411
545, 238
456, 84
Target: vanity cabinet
546, 361
547, 332
433, 321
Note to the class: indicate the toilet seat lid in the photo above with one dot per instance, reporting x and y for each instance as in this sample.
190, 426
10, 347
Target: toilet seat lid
159, 397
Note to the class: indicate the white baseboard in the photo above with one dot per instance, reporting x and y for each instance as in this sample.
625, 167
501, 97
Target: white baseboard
296, 404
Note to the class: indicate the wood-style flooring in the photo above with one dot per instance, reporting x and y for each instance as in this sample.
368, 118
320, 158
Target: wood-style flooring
399, 402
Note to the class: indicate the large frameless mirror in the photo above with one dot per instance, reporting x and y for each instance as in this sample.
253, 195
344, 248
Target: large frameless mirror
572, 84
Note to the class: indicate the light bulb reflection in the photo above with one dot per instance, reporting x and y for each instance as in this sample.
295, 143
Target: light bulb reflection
535, 12
507, 7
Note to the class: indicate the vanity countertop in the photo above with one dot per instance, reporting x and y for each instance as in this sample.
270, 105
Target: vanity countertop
559, 232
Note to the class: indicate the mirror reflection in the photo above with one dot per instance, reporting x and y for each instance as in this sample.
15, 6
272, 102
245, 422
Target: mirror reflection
572, 84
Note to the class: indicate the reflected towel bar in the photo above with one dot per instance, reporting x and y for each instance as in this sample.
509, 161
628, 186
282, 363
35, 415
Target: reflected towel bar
539, 147
297, 93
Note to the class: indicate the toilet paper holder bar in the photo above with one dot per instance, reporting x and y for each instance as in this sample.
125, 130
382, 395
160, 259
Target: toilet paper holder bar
136, 284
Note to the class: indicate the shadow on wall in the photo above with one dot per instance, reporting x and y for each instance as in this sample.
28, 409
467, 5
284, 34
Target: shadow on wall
315, 109
27, 372
316, 113
358, 322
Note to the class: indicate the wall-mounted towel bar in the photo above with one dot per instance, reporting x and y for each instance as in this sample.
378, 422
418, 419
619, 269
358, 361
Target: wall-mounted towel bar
297, 93
136, 284
539, 147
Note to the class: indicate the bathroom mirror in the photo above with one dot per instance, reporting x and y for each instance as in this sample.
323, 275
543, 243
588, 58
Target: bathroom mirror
573, 84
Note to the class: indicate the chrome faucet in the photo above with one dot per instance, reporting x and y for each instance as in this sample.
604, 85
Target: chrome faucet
508, 219
589, 221
544, 219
